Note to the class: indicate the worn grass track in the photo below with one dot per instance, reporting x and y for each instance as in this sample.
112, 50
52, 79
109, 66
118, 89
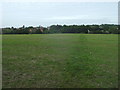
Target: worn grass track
60, 61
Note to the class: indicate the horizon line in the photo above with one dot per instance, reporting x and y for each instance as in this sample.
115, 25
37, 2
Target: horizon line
55, 24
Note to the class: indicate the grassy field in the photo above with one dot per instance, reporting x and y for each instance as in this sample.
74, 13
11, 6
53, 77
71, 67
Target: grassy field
60, 61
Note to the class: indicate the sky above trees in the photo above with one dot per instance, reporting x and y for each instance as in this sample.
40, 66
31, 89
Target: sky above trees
48, 13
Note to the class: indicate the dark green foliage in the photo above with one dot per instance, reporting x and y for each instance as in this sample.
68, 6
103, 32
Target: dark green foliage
91, 29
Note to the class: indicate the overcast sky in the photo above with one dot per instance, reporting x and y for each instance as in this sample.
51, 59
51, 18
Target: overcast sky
48, 13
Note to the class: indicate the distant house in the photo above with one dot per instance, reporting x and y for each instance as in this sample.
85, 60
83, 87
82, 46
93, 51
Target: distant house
48, 28
41, 28
30, 30
88, 31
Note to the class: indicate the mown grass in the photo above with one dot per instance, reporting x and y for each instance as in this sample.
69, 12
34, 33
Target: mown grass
60, 61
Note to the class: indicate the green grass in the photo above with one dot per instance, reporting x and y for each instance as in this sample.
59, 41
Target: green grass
60, 61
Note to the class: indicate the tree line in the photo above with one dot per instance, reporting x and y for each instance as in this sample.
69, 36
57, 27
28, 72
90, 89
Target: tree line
87, 29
